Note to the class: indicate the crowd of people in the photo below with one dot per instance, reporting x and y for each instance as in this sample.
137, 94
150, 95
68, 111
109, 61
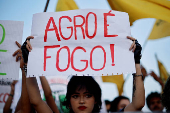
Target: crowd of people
83, 92
156, 102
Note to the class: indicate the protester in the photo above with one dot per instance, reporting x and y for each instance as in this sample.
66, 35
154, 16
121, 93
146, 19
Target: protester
76, 97
119, 103
153, 101
108, 104
7, 106
166, 95
23, 105
83, 94
24, 102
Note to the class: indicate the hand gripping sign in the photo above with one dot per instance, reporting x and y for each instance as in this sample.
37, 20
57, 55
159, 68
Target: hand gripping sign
82, 42
10, 31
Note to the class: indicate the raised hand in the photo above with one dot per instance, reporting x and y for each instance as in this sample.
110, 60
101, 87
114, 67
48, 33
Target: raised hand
144, 72
18, 54
157, 79
13, 85
136, 49
26, 48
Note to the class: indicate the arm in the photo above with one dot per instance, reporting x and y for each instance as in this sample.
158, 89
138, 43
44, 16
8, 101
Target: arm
23, 105
31, 83
35, 97
157, 79
25, 102
48, 94
144, 72
138, 96
8, 103
18, 107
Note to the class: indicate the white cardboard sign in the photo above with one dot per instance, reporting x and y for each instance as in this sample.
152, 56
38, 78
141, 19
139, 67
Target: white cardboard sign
82, 42
4, 93
10, 31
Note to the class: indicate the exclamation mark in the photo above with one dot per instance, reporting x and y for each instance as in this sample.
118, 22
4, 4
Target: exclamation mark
112, 53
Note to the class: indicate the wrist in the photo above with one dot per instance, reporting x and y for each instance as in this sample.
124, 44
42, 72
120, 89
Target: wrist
137, 75
24, 68
12, 95
137, 62
137, 59
12, 92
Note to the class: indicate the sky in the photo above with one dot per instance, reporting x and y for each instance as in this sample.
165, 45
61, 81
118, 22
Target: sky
23, 10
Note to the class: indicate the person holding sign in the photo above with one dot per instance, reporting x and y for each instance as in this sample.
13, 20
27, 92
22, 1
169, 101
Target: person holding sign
81, 98
24, 101
81, 90
23, 105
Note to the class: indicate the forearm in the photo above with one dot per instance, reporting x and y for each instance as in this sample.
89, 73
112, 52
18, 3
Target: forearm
45, 86
48, 94
18, 108
25, 102
33, 91
51, 103
35, 97
138, 97
8, 103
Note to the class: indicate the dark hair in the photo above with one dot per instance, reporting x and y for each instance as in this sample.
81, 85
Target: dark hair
83, 82
150, 96
115, 102
107, 102
166, 95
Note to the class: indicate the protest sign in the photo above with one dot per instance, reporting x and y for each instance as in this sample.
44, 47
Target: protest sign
17, 94
4, 93
82, 42
10, 31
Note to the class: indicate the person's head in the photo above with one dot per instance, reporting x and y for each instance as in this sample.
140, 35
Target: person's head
166, 95
153, 102
119, 103
107, 102
83, 95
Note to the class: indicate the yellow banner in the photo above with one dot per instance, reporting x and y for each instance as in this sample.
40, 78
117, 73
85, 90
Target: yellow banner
137, 9
64, 5
162, 71
117, 79
161, 29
